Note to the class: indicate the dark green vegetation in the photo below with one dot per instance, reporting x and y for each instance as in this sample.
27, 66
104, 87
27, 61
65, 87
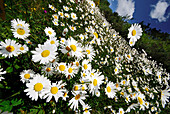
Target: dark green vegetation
154, 42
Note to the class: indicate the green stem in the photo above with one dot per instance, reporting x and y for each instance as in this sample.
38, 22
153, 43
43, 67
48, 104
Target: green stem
11, 96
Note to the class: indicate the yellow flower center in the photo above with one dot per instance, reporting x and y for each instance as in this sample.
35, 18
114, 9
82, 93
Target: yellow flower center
131, 42
146, 89
48, 69
124, 82
45, 53
122, 93
85, 66
77, 63
140, 100
121, 112
94, 82
96, 35
62, 40
88, 51
127, 98
72, 28
86, 110
84, 74
52, 42
83, 88
77, 97
61, 67
21, 31
10, 48
61, 14
49, 32
133, 32
159, 76
117, 85
27, 76
76, 88
73, 47
55, 17
115, 69
38, 87
21, 48
54, 90
108, 89
74, 16
128, 56
92, 74
65, 94
70, 70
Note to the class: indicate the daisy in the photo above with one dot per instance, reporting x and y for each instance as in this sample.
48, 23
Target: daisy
61, 14
36, 87
141, 102
26, 75
121, 111
67, 15
9, 48
54, 90
65, 8
72, 28
73, 16
89, 51
55, 16
159, 76
92, 4
165, 94
116, 70
65, 31
49, 32
52, 41
128, 56
70, 71
96, 81
55, 23
20, 29
86, 65
23, 49
48, 69
86, 109
61, 67
76, 99
117, 87
135, 31
81, 37
132, 41
65, 95
44, 53
52, 7
110, 90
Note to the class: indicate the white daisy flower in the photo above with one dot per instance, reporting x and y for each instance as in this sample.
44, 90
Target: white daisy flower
96, 81
140, 98
67, 15
72, 28
20, 29
132, 41
61, 14
23, 49
49, 32
48, 69
89, 51
86, 66
116, 70
65, 31
26, 75
65, 96
66, 8
36, 87
165, 94
110, 91
76, 99
74, 16
55, 23
54, 90
117, 86
70, 71
86, 109
92, 4
61, 67
52, 7
121, 111
52, 41
44, 53
128, 56
9, 48
55, 16
135, 31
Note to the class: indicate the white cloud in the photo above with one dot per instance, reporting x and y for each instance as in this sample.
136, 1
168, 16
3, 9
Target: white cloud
159, 11
126, 8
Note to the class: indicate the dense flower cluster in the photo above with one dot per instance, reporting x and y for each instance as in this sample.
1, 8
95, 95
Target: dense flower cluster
122, 71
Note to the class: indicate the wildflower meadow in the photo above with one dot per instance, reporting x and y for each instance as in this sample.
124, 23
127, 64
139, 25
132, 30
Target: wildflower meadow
62, 56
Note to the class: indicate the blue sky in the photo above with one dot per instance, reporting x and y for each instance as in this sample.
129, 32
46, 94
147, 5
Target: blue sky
156, 12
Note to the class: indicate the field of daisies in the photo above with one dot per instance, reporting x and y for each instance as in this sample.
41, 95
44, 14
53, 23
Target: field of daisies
65, 58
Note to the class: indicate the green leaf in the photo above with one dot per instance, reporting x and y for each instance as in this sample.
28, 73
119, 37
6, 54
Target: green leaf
17, 67
9, 69
16, 102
